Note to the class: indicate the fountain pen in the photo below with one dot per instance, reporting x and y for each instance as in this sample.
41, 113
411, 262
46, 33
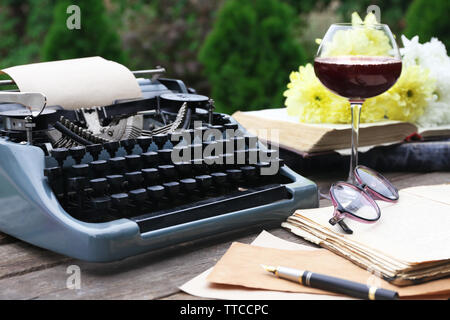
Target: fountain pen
332, 284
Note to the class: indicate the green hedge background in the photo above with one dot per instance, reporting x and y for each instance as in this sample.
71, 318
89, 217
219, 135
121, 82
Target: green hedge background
239, 52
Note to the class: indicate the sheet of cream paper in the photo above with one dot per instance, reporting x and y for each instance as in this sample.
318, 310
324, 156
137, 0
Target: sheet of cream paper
200, 287
413, 230
77, 83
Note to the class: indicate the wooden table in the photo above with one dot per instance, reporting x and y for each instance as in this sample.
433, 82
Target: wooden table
28, 272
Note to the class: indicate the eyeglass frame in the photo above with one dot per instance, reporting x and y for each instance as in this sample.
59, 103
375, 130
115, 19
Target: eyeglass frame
340, 213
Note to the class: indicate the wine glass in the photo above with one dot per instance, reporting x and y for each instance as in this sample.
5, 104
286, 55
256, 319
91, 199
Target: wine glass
357, 61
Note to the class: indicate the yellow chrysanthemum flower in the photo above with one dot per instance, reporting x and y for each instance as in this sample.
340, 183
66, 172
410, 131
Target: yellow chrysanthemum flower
408, 98
363, 39
309, 100
372, 111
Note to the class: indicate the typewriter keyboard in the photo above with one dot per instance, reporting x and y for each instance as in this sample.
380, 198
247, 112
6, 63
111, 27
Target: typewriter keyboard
166, 179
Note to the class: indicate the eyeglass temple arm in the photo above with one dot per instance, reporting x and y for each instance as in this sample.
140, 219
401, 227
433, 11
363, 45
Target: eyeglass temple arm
342, 224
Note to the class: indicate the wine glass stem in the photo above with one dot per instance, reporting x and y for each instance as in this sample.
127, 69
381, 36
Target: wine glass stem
355, 107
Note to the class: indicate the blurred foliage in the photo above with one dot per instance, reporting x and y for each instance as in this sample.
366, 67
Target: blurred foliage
429, 19
96, 37
307, 5
168, 33
22, 29
143, 34
249, 54
392, 11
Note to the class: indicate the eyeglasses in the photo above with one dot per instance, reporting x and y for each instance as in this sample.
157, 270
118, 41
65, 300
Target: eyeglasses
357, 202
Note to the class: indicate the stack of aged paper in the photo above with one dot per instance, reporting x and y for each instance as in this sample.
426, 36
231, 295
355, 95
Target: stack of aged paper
408, 245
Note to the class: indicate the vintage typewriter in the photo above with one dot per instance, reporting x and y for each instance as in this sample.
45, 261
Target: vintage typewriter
104, 183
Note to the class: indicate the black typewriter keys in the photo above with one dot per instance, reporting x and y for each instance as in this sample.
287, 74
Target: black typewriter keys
77, 153
199, 166
160, 139
80, 170
101, 204
99, 168
188, 186
234, 175
249, 174
52, 173
138, 196
151, 176
203, 182
165, 156
54, 176
112, 147
219, 178
261, 167
171, 189
119, 201
183, 168
134, 162
148, 177
99, 187
128, 145
76, 186
118, 164
168, 172
94, 150
135, 180
116, 183
144, 143
155, 193
60, 154
150, 159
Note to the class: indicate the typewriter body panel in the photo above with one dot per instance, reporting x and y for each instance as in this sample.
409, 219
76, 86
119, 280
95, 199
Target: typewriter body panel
34, 211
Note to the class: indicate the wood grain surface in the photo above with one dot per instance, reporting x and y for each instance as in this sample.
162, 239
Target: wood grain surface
29, 272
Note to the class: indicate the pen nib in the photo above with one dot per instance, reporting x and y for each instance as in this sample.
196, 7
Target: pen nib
269, 268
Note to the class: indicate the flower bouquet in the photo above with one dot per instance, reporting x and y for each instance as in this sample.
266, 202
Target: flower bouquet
421, 95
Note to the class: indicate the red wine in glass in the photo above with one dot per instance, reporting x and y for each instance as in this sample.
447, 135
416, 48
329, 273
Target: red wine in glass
358, 77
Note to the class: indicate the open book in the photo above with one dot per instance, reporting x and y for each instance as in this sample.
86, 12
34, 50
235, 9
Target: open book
409, 244
310, 138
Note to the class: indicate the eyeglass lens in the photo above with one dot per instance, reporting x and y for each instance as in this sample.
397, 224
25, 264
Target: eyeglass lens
355, 201
377, 182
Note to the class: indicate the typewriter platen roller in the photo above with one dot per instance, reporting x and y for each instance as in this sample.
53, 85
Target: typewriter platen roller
102, 184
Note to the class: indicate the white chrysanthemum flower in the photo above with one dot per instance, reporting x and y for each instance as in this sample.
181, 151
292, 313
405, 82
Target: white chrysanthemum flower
411, 51
433, 56
438, 110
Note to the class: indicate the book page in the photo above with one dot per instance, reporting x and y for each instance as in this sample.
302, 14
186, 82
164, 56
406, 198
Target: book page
280, 114
436, 131
77, 83
413, 230
322, 137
